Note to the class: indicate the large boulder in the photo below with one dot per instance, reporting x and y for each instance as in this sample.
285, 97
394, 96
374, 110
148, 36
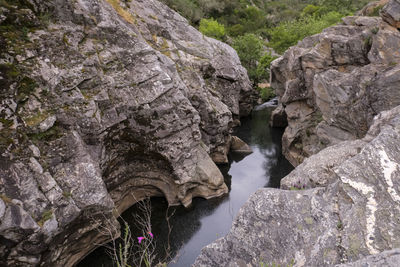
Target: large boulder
391, 13
104, 103
355, 215
332, 84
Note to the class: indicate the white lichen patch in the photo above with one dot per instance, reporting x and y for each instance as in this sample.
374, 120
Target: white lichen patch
300, 259
389, 167
371, 206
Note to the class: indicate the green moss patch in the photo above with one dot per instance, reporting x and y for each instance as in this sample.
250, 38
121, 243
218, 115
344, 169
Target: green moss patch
51, 134
26, 87
47, 215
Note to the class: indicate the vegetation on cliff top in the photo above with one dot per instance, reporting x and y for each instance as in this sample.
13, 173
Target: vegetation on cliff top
252, 25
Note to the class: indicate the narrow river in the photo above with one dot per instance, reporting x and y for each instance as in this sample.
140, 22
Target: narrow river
207, 220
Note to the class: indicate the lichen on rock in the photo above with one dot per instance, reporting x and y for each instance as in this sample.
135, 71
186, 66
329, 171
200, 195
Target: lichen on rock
105, 103
332, 84
339, 90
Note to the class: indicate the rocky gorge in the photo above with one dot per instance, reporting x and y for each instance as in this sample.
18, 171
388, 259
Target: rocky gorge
107, 102
104, 103
339, 97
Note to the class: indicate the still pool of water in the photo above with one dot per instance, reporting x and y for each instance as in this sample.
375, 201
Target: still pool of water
207, 220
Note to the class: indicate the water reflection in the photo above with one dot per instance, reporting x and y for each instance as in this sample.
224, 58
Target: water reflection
207, 220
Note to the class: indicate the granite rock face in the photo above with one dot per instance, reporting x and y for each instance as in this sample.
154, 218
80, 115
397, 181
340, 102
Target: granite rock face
354, 215
390, 258
340, 92
332, 84
103, 103
391, 13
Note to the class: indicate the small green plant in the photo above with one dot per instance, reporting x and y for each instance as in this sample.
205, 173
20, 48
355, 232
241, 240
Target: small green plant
266, 93
368, 41
6, 123
375, 30
47, 215
5, 198
375, 11
339, 225
53, 133
129, 251
67, 194
26, 87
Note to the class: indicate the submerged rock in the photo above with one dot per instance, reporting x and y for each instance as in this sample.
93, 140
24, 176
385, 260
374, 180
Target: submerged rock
239, 146
104, 103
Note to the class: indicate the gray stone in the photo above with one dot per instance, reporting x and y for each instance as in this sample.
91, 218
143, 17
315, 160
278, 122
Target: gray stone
317, 170
126, 101
2, 208
390, 258
279, 117
371, 7
391, 13
47, 123
35, 150
239, 146
353, 216
35, 165
332, 84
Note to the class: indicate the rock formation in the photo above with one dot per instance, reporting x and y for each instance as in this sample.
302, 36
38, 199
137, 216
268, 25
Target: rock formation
343, 205
332, 84
355, 215
103, 103
389, 258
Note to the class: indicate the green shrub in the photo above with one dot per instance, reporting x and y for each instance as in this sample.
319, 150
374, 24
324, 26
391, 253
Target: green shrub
249, 48
187, 8
288, 34
212, 28
266, 93
375, 11
262, 70
236, 30
252, 19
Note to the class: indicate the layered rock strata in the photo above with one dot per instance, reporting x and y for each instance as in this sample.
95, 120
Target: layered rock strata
103, 103
344, 200
331, 85
355, 215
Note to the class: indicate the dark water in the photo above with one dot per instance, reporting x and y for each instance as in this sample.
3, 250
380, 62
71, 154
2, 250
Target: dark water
207, 220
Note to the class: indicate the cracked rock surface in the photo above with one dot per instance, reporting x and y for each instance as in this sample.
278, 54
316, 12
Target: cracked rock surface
356, 214
342, 202
103, 103
331, 85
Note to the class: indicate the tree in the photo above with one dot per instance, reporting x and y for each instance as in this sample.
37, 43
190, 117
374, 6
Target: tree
249, 48
263, 66
212, 28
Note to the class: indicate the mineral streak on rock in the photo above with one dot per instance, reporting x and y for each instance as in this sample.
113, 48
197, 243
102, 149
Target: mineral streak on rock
354, 215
